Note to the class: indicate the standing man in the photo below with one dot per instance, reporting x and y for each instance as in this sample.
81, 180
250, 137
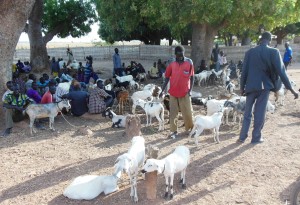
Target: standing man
256, 85
288, 55
117, 63
180, 73
70, 56
215, 57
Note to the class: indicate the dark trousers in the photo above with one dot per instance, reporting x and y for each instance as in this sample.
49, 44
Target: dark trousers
261, 98
286, 64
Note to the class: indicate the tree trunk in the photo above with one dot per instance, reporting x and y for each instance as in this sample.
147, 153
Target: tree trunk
170, 41
203, 40
14, 14
230, 41
246, 40
38, 51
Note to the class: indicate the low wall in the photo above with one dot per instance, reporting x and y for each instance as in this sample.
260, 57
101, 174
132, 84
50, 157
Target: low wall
143, 52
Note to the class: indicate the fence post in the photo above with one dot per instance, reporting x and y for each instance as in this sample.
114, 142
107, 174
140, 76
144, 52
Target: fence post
151, 177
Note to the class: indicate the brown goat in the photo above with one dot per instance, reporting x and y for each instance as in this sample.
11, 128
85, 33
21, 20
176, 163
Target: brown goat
123, 99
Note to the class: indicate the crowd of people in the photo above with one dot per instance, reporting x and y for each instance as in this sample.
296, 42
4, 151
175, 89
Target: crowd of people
179, 72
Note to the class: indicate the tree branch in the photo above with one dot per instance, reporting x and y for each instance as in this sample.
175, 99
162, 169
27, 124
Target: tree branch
26, 28
49, 35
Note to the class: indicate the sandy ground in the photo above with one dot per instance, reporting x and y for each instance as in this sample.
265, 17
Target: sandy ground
36, 169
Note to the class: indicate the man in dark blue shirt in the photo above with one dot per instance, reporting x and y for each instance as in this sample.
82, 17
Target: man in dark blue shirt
79, 100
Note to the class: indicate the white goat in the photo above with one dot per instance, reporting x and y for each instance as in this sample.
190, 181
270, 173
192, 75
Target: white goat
125, 78
141, 76
280, 95
131, 161
201, 77
90, 186
207, 122
117, 120
170, 165
50, 110
134, 85
153, 109
147, 93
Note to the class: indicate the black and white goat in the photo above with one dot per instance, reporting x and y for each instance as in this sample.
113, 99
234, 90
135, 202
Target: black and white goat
117, 120
153, 109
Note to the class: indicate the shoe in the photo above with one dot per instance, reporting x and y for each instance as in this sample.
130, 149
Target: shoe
173, 135
240, 141
261, 140
6, 132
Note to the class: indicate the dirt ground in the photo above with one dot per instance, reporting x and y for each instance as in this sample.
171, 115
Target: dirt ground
35, 170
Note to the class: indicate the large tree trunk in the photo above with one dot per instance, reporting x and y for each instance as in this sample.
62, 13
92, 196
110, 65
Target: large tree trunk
38, 51
13, 15
203, 40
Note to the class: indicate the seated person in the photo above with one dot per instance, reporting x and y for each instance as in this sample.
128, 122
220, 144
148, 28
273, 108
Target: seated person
20, 82
232, 68
27, 67
28, 83
14, 103
10, 87
79, 100
154, 73
20, 66
48, 96
99, 99
42, 84
202, 67
240, 66
33, 93
161, 67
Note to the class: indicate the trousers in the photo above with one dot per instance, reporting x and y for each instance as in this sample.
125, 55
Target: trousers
185, 106
260, 98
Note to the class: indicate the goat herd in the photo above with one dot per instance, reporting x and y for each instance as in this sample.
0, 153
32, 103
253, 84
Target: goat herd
147, 97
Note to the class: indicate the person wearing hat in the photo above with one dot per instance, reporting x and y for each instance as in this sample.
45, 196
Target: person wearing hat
256, 84
180, 73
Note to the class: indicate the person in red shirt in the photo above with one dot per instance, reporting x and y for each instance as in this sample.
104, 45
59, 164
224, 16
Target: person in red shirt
48, 96
180, 73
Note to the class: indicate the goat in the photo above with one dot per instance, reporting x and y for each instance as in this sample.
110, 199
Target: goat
201, 77
126, 78
141, 77
153, 109
117, 120
50, 110
147, 93
134, 85
90, 186
207, 122
230, 87
170, 165
280, 94
123, 98
131, 161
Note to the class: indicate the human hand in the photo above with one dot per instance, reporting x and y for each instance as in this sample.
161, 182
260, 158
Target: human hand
242, 92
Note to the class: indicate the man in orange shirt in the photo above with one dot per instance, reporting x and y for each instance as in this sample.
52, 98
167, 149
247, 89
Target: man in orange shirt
180, 73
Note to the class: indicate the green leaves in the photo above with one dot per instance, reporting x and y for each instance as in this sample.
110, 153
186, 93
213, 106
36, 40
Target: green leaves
72, 17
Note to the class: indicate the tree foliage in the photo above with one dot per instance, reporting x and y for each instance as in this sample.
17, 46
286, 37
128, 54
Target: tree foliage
68, 17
